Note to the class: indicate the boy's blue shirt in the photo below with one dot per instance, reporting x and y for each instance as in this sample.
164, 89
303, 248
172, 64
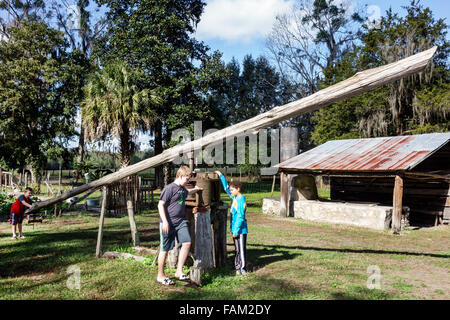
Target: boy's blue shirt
238, 223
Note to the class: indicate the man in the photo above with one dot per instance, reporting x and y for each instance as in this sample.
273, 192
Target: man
173, 224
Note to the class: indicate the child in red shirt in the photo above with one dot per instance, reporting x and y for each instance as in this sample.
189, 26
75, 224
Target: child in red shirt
17, 212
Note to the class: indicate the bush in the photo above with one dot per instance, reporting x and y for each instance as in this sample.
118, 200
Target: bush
5, 209
5, 204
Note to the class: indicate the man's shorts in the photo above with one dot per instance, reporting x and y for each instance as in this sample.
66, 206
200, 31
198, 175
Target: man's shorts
16, 218
179, 232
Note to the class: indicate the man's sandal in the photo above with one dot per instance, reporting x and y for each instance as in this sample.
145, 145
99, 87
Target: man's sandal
166, 282
184, 278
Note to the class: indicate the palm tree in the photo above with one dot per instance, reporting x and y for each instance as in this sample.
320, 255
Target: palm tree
114, 104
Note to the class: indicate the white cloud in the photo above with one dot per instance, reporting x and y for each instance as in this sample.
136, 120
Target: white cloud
3, 37
240, 20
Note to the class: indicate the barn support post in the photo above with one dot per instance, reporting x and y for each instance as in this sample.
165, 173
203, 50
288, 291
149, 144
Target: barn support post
98, 250
397, 206
291, 194
288, 149
134, 233
284, 189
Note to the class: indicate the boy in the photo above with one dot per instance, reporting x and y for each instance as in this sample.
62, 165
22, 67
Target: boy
17, 211
173, 224
238, 223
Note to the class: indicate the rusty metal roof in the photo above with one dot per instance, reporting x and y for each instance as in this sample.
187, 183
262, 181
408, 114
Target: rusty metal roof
375, 154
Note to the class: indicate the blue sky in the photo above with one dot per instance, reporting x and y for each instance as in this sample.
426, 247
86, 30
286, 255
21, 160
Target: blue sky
239, 27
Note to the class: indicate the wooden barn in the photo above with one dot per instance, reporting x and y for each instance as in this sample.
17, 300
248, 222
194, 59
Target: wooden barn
408, 174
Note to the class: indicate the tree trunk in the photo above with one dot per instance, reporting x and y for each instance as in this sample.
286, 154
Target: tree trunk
167, 167
80, 156
158, 150
126, 147
167, 173
37, 177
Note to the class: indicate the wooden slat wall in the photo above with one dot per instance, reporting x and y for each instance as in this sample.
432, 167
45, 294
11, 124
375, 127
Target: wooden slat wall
140, 191
422, 197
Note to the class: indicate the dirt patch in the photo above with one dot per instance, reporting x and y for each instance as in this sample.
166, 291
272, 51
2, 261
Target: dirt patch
41, 276
68, 221
427, 280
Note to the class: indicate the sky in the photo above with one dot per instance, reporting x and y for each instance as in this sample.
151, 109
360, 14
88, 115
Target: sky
239, 27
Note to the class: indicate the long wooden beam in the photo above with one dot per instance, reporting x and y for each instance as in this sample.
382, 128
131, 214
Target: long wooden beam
361, 82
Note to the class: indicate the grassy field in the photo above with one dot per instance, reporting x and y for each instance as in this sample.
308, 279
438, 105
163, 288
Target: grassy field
292, 259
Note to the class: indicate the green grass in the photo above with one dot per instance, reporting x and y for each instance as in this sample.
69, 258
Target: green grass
292, 259
254, 200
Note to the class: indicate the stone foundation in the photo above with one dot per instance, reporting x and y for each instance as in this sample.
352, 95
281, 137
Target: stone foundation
271, 206
358, 214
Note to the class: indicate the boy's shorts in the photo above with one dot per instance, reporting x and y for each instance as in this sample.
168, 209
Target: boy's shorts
180, 232
16, 218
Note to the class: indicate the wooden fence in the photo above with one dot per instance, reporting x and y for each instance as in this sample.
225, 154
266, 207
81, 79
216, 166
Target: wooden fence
6, 179
138, 189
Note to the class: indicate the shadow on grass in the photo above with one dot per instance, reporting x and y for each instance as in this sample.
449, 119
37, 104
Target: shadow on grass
16, 289
256, 288
259, 258
361, 294
45, 251
215, 280
365, 251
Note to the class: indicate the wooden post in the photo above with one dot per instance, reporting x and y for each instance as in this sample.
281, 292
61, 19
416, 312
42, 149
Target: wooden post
273, 185
60, 178
100, 226
284, 200
203, 256
1, 176
219, 235
134, 233
397, 206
